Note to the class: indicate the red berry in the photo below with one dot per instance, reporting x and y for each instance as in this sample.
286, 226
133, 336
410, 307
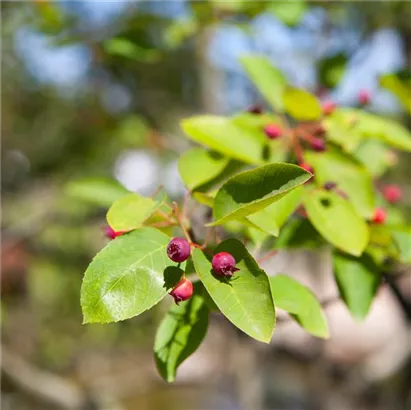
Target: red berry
178, 250
182, 291
255, 109
380, 215
273, 131
364, 97
110, 233
328, 107
307, 167
318, 145
329, 186
392, 193
224, 264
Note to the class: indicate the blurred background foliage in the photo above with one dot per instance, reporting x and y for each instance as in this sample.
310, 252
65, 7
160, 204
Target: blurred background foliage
92, 93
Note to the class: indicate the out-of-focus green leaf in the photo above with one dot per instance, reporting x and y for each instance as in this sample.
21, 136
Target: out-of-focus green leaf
350, 176
402, 238
98, 191
198, 166
301, 104
246, 298
252, 191
400, 89
179, 31
374, 156
125, 48
297, 299
269, 80
358, 280
289, 12
180, 334
331, 69
337, 221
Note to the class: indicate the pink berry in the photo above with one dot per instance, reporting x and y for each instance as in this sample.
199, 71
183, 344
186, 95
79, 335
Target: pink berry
307, 167
110, 233
182, 291
328, 107
178, 250
318, 145
224, 264
392, 193
272, 131
255, 109
364, 97
380, 215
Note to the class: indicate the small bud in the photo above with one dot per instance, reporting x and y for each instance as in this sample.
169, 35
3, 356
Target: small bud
182, 291
178, 250
364, 97
273, 131
329, 186
224, 264
255, 109
307, 167
392, 193
380, 215
318, 145
110, 233
328, 107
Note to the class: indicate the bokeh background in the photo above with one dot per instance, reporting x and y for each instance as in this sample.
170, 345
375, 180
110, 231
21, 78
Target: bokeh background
92, 95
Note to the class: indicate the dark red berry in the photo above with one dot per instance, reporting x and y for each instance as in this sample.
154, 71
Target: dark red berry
224, 264
110, 233
255, 109
178, 250
392, 193
329, 186
182, 291
318, 145
364, 97
307, 167
328, 107
273, 131
380, 215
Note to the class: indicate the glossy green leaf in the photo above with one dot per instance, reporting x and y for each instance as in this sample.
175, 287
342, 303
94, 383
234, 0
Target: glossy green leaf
297, 299
97, 191
337, 221
251, 191
221, 134
402, 238
130, 212
301, 104
399, 88
246, 298
127, 277
289, 12
358, 280
269, 80
198, 166
273, 217
350, 176
180, 334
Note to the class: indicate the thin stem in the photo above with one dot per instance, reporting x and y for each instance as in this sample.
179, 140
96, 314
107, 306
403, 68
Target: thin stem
180, 221
297, 147
208, 237
268, 256
185, 204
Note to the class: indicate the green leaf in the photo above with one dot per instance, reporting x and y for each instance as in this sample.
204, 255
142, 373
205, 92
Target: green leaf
180, 334
251, 191
399, 88
289, 12
350, 176
273, 217
246, 298
125, 48
374, 156
336, 220
97, 191
358, 280
221, 134
269, 80
204, 198
126, 277
295, 298
198, 166
402, 238
331, 69
130, 212
301, 104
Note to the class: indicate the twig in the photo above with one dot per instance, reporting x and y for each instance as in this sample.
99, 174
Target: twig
268, 256
181, 222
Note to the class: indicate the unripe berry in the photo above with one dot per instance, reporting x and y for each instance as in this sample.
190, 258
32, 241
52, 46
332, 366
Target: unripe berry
110, 233
329, 186
318, 145
380, 215
307, 167
178, 250
273, 131
364, 97
392, 193
255, 109
328, 107
182, 291
224, 264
